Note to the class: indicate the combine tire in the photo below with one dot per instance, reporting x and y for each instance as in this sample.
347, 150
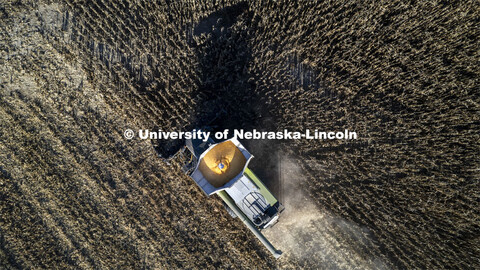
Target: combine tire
229, 210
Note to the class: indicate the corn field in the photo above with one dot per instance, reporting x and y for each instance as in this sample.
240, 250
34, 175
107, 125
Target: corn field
404, 75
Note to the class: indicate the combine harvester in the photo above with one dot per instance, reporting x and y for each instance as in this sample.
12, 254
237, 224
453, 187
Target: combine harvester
221, 168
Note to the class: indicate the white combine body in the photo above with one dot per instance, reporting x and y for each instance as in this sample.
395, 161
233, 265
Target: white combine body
221, 168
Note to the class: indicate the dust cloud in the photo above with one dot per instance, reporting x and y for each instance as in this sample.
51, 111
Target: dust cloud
313, 238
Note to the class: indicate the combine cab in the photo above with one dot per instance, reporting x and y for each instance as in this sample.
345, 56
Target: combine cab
221, 168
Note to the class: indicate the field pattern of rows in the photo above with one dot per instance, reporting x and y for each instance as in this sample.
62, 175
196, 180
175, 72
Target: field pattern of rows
75, 74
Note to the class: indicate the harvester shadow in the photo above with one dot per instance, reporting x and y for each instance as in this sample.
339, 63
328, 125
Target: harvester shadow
226, 96
227, 93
